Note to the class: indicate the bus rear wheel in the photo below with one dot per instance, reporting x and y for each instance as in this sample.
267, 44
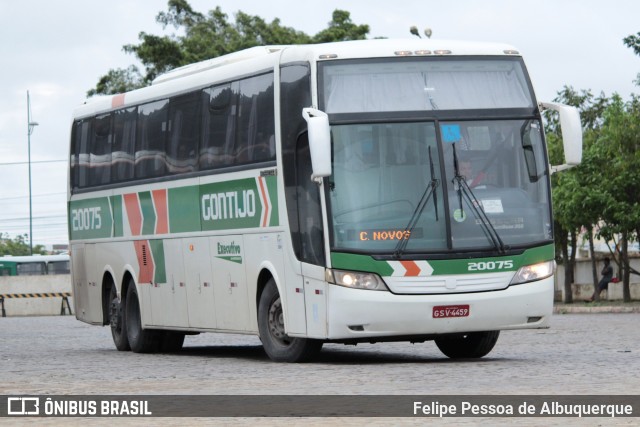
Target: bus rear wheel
117, 321
472, 345
140, 340
277, 344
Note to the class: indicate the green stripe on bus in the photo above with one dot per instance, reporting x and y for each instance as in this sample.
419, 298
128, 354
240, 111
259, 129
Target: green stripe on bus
227, 205
148, 213
272, 187
90, 218
360, 263
157, 250
184, 209
442, 267
116, 207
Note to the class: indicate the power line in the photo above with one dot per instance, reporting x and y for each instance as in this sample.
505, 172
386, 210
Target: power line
35, 195
53, 216
32, 162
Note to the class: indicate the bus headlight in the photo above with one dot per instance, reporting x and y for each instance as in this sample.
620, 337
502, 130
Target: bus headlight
529, 273
356, 280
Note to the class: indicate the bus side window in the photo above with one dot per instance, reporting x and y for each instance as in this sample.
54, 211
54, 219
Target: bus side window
184, 135
73, 154
255, 140
83, 164
100, 151
150, 159
58, 267
309, 210
218, 126
31, 269
124, 141
295, 94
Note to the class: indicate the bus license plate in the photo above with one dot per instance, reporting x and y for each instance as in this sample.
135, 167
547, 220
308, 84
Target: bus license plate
441, 311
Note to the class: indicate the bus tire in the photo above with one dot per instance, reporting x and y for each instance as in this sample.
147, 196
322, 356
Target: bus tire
140, 340
472, 345
277, 344
117, 321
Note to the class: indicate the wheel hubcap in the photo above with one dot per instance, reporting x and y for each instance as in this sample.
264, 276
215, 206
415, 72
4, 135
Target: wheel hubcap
276, 323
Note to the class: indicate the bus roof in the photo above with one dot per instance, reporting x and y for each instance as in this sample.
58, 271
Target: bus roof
247, 61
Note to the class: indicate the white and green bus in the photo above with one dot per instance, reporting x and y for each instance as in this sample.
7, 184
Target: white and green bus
34, 265
366, 191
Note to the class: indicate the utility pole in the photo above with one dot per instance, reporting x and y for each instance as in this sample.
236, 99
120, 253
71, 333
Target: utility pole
30, 125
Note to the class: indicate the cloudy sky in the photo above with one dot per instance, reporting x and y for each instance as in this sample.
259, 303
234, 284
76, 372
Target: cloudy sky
58, 50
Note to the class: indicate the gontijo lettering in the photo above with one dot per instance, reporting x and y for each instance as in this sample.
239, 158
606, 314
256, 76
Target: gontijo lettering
229, 205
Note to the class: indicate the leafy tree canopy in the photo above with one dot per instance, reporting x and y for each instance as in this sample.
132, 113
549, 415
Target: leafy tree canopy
18, 246
199, 37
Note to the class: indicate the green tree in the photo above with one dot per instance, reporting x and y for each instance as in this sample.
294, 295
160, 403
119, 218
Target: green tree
633, 42
341, 28
601, 192
18, 246
577, 197
620, 145
200, 37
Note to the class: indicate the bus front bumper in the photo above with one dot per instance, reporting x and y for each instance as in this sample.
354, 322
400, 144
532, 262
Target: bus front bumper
356, 314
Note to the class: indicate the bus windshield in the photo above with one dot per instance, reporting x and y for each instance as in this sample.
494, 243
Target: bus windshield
381, 172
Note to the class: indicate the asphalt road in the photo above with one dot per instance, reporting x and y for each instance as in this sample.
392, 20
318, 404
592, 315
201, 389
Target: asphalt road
580, 354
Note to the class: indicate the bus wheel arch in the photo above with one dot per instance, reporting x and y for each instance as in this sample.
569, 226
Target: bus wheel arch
277, 344
107, 284
263, 278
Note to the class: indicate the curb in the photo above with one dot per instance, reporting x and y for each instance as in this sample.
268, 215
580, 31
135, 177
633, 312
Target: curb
568, 309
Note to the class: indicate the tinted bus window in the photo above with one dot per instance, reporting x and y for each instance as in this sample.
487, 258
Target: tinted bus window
255, 140
58, 267
150, 145
73, 154
83, 138
100, 151
31, 269
182, 146
219, 119
122, 154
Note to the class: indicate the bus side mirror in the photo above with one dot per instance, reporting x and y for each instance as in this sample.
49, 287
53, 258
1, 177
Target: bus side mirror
319, 142
571, 134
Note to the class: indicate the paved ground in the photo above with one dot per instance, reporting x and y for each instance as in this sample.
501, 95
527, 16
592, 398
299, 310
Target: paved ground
580, 354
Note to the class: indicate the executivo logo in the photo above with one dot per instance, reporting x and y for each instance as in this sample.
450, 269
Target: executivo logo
230, 252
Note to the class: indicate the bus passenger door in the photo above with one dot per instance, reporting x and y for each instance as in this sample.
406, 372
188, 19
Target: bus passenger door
197, 266
230, 283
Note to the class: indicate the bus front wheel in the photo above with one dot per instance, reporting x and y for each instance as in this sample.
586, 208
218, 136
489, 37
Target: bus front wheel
472, 345
277, 344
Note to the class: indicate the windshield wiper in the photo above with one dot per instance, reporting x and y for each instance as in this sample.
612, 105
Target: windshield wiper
429, 192
476, 206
